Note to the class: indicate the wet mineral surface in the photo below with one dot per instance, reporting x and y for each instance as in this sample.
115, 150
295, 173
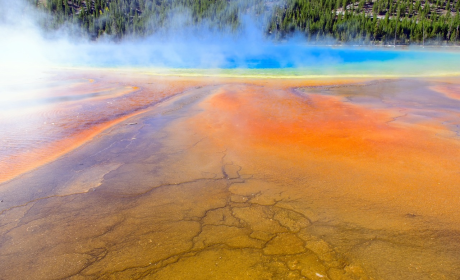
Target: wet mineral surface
222, 178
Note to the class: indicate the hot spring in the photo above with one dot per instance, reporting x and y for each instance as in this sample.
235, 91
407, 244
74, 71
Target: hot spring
260, 162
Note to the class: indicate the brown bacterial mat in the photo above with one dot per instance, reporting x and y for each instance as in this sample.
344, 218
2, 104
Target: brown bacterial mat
125, 175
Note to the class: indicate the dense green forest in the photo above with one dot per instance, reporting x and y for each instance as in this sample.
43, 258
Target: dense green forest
371, 21
341, 21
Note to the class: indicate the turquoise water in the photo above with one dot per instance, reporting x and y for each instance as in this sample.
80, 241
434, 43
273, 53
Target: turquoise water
276, 57
292, 60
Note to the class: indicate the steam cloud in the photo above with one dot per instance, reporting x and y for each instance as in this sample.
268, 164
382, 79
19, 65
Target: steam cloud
25, 46
179, 45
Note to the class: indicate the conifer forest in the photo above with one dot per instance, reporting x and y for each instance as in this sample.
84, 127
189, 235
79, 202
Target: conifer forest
363, 22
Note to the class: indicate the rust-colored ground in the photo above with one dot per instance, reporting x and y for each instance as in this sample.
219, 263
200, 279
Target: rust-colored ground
151, 177
399, 163
45, 123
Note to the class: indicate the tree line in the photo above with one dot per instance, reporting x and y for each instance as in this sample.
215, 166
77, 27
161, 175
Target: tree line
346, 21
371, 21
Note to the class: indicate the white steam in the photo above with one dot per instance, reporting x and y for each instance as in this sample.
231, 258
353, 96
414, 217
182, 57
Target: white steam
26, 48
181, 45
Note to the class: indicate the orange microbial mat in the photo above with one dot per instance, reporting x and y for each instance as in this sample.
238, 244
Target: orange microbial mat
122, 174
